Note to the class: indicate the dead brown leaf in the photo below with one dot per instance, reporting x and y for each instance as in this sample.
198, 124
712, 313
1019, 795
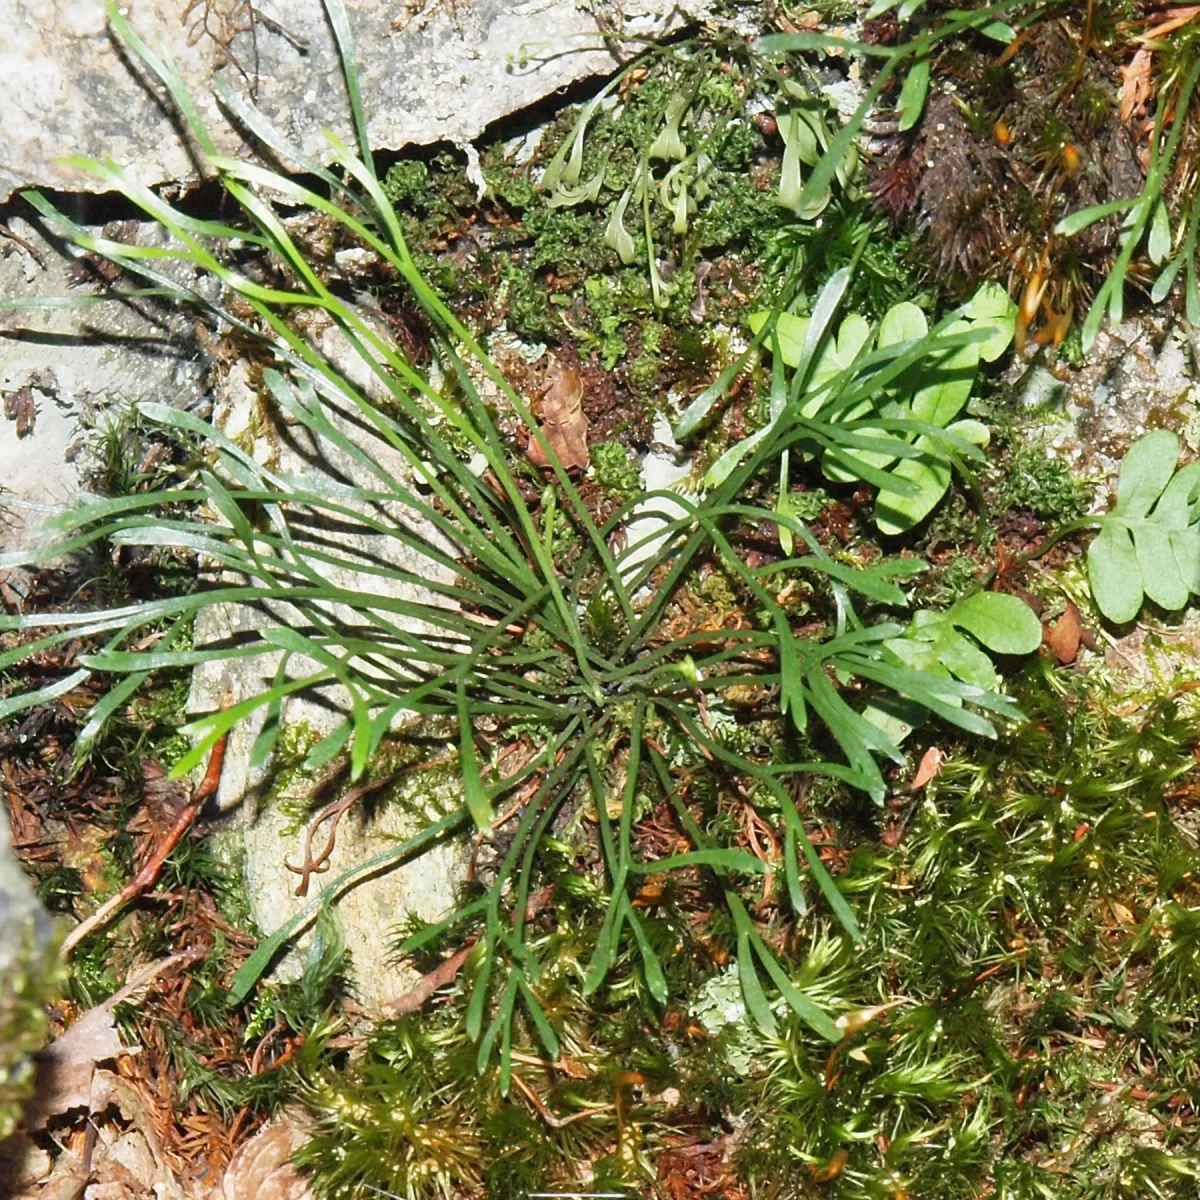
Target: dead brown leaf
262, 1167
123, 1156
23, 1162
1136, 85
66, 1067
927, 771
65, 1181
1065, 635
563, 422
128, 1160
20, 406
807, 20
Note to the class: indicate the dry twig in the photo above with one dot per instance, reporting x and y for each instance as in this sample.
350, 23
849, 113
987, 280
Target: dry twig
148, 875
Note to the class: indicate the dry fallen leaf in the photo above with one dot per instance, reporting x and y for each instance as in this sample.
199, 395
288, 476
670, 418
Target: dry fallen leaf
807, 20
1136, 85
930, 766
262, 1167
65, 1068
128, 1160
65, 1181
21, 407
563, 422
23, 1162
123, 1158
1064, 636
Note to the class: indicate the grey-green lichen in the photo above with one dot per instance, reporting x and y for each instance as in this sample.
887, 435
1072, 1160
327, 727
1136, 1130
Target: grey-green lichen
27, 984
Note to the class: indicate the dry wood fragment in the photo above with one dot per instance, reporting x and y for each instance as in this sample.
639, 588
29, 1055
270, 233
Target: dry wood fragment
421, 991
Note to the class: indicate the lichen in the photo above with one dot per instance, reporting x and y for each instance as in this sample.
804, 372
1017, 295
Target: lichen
30, 980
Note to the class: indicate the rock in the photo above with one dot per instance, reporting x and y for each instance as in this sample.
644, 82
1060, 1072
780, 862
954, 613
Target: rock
370, 914
80, 370
1138, 377
431, 70
26, 967
270, 814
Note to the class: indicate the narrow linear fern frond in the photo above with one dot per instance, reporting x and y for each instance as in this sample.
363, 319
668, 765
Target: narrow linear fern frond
472, 616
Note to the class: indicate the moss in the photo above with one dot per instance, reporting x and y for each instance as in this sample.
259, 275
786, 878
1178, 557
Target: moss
296, 739
740, 211
642, 373
565, 239
1022, 996
93, 976
407, 184
1042, 483
1071, 350
510, 185
616, 469
604, 335
524, 301
947, 582
808, 505
228, 848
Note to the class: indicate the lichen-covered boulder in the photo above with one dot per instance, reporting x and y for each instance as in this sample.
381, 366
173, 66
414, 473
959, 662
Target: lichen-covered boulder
26, 969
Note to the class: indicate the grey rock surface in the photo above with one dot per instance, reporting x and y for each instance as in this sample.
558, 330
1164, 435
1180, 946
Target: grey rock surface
24, 924
25, 969
269, 813
1142, 375
432, 70
83, 367
1139, 376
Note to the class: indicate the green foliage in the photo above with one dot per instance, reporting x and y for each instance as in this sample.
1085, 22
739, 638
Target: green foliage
866, 399
1149, 544
672, 170
991, 995
937, 642
913, 94
616, 469
1038, 480
501, 640
1024, 1008
1146, 223
932, 393
412, 1122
